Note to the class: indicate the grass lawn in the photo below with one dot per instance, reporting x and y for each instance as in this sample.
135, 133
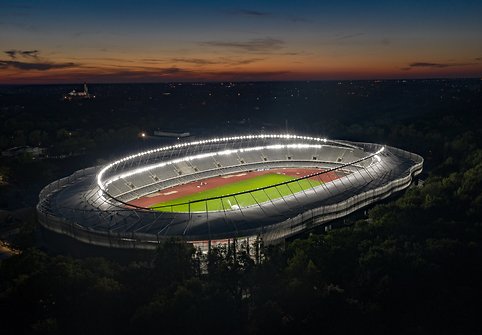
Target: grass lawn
242, 200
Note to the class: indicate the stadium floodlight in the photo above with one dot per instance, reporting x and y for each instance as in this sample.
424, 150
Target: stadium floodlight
102, 184
194, 143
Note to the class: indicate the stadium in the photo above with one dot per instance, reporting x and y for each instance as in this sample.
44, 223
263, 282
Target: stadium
241, 189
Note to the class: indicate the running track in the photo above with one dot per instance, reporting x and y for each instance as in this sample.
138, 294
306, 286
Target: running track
179, 191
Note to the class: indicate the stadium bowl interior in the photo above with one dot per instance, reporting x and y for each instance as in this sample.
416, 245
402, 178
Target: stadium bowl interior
217, 191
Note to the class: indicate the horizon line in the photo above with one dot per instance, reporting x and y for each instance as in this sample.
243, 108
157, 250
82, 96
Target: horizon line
238, 81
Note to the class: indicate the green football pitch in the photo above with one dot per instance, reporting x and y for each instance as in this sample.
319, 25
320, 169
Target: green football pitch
186, 204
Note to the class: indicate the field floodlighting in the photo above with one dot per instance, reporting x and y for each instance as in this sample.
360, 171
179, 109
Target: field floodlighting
135, 171
209, 191
213, 140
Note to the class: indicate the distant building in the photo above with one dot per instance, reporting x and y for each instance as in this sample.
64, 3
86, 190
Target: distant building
74, 95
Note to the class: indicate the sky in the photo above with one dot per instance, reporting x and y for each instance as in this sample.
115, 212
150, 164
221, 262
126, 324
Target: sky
54, 41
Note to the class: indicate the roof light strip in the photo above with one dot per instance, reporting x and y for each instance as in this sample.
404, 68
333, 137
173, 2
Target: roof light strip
211, 154
213, 140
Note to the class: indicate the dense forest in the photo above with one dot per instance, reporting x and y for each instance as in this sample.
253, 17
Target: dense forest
413, 265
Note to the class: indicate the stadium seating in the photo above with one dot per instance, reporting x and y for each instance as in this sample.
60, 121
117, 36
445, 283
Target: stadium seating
161, 177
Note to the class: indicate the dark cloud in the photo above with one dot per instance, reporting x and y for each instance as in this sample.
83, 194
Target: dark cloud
424, 64
39, 66
429, 65
219, 61
249, 12
171, 70
245, 61
22, 53
435, 65
478, 59
30, 53
29, 60
11, 53
254, 45
108, 59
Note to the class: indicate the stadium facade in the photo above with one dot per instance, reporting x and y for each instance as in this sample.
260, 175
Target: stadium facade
100, 205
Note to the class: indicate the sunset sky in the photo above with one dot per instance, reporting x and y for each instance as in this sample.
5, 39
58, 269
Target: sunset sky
54, 41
